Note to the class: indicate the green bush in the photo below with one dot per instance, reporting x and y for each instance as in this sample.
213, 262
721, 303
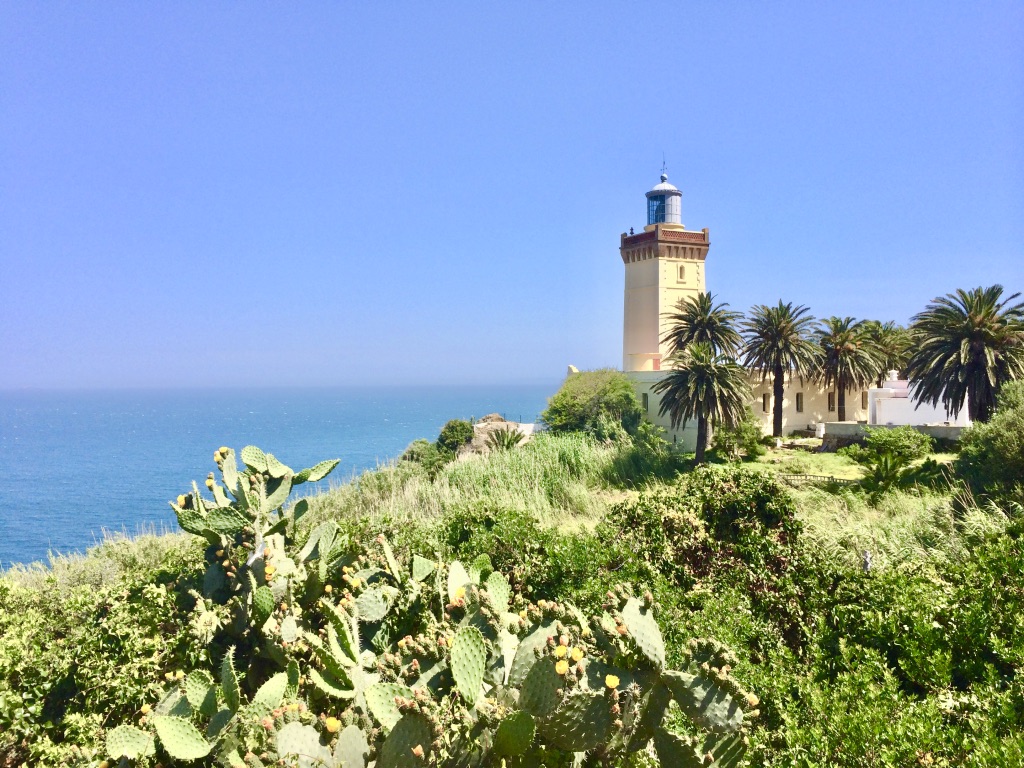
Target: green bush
455, 434
904, 444
600, 402
991, 459
746, 437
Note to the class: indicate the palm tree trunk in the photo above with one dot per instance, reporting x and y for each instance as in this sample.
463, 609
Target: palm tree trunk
841, 398
778, 388
702, 438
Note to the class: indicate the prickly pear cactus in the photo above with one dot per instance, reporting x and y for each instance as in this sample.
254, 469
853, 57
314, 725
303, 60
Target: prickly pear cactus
328, 651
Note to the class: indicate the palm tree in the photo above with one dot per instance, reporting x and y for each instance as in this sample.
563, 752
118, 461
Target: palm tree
779, 344
891, 343
704, 385
698, 319
847, 357
966, 346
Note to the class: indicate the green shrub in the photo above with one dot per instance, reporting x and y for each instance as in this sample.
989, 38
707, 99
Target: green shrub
991, 459
746, 437
600, 402
427, 455
454, 434
904, 444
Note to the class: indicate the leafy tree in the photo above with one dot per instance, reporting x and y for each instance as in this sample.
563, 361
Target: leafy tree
847, 359
455, 434
778, 344
966, 346
600, 402
706, 386
991, 458
891, 344
699, 319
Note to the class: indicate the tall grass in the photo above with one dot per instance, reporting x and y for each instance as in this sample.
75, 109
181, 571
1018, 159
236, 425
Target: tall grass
117, 556
551, 477
918, 526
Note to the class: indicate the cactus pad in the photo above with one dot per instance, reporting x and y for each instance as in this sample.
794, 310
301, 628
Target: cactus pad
421, 568
226, 520
480, 568
644, 630
468, 662
526, 654
673, 750
410, 732
262, 604
371, 605
514, 734
653, 706
254, 458
499, 590
219, 722
128, 741
351, 749
271, 693
539, 694
380, 698
316, 473
229, 681
581, 722
201, 692
303, 742
727, 749
704, 701
457, 578
180, 738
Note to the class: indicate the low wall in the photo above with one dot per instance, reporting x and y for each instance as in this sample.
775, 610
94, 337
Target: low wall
842, 433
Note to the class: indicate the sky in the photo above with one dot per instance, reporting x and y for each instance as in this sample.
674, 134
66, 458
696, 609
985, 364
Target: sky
324, 194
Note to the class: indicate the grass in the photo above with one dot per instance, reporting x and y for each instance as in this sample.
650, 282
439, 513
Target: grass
805, 460
917, 526
552, 476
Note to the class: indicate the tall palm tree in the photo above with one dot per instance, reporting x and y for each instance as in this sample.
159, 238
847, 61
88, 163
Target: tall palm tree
966, 346
699, 319
779, 344
704, 385
847, 357
891, 343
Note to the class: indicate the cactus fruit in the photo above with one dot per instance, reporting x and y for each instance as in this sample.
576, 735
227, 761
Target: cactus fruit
128, 741
514, 734
469, 662
179, 738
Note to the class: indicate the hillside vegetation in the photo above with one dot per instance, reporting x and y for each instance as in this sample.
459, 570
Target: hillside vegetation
835, 625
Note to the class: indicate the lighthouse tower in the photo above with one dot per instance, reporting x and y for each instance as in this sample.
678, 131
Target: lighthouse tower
664, 264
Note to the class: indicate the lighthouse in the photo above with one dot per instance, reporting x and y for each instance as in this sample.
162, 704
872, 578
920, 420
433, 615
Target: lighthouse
664, 264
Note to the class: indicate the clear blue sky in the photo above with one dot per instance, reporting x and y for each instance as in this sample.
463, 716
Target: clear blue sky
336, 193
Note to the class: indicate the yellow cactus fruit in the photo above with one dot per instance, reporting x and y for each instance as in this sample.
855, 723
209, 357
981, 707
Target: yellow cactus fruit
179, 675
522, 614
182, 498
217, 457
220, 553
328, 588
560, 652
269, 570
209, 483
460, 593
562, 667
578, 653
355, 583
284, 606
144, 709
332, 724
752, 700
612, 681
224, 450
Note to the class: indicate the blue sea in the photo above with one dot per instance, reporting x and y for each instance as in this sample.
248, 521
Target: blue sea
76, 464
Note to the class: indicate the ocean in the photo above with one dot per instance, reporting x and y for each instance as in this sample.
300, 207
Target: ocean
76, 464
